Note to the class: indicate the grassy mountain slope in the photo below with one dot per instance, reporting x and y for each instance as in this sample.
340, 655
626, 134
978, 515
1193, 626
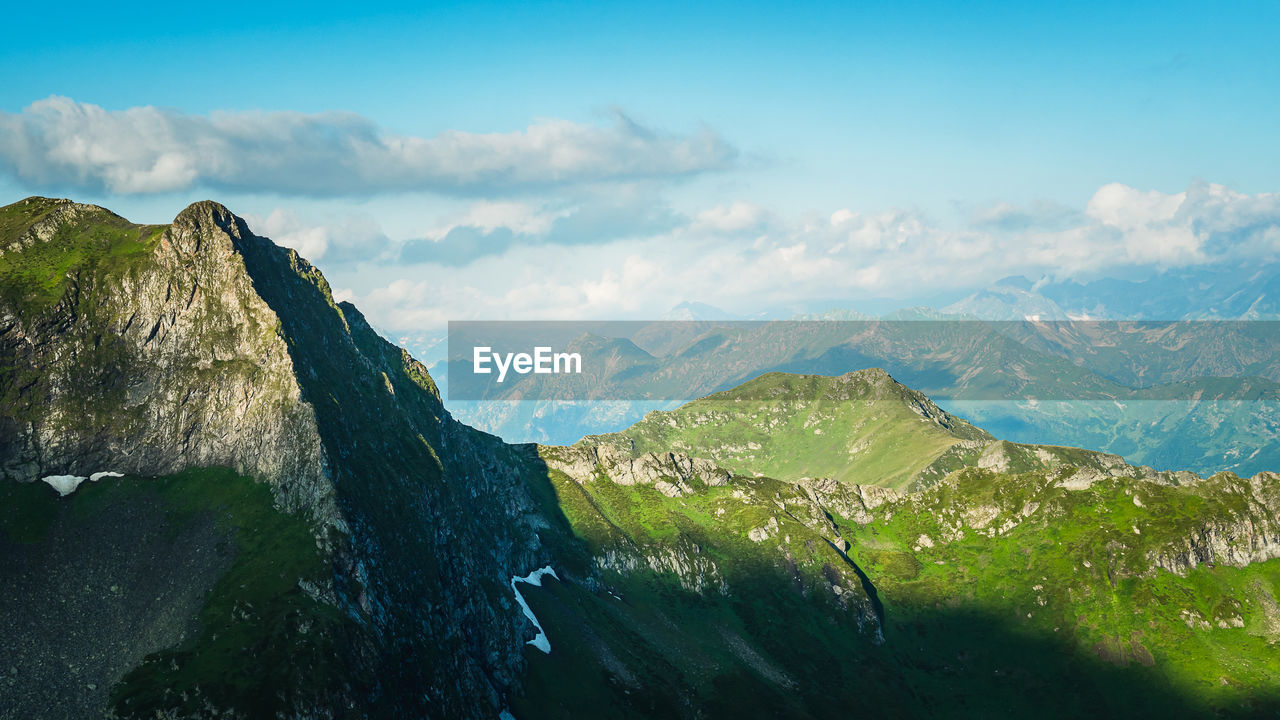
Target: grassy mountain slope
1172, 585
862, 427
708, 601
1029, 579
161, 592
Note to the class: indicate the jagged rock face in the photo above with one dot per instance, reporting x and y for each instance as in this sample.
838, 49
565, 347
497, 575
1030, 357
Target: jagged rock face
213, 347
856, 502
1248, 533
174, 362
673, 474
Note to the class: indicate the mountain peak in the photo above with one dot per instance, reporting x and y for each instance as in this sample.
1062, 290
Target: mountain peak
210, 214
873, 374
865, 383
40, 200
693, 310
37, 219
1017, 282
862, 427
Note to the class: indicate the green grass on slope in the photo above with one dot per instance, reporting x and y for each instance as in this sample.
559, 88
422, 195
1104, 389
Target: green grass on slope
861, 428
36, 275
16, 218
264, 645
646, 648
26, 510
1073, 569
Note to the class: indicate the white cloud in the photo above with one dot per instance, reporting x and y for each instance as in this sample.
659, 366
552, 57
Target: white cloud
735, 217
350, 238
60, 143
1126, 208
592, 217
842, 216
521, 218
841, 257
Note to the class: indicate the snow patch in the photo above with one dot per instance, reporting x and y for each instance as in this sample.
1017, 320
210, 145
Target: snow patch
67, 484
64, 484
535, 579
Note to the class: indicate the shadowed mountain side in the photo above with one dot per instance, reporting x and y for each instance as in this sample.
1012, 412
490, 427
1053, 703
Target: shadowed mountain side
140, 593
407, 478
654, 653
996, 594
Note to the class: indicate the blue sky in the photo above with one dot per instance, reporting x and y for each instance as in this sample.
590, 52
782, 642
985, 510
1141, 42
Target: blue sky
921, 121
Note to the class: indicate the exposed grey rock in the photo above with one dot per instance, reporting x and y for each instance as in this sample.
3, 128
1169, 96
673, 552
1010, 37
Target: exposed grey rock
1250, 534
177, 363
675, 471
856, 502
694, 572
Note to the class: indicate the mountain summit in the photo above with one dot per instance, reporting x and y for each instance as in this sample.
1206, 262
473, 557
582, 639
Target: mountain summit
147, 350
862, 427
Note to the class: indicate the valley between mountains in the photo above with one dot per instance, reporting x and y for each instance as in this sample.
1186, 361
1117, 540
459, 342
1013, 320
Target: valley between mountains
269, 512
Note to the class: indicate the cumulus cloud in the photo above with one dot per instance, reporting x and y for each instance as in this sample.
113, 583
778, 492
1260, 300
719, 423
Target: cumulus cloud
736, 217
351, 238
1127, 208
1127, 227
60, 143
1038, 215
491, 228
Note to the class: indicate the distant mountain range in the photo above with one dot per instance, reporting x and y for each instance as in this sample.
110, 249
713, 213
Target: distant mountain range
1210, 292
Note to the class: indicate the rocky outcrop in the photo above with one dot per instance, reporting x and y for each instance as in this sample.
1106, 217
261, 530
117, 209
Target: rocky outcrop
779, 514
673, 474
693, 570
1249, 532
172, 362
855, 502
